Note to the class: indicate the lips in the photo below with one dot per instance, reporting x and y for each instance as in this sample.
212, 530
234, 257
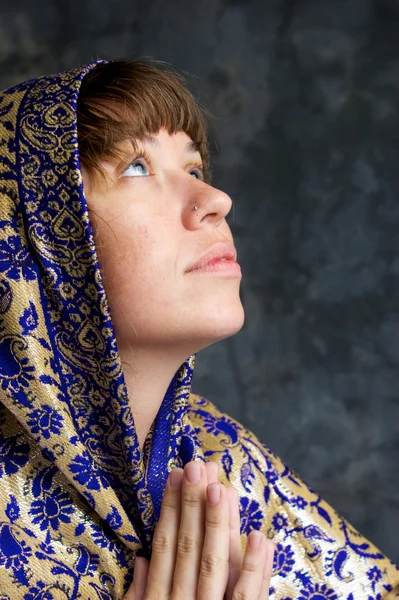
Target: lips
217, 252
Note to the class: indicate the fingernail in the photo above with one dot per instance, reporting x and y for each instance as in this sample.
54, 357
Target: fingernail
213, 493
193, 472
176, 478
254, 539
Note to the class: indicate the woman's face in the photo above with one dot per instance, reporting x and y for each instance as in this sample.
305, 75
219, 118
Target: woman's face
148, 237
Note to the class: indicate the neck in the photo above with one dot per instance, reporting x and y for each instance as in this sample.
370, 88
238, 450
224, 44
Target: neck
148, 373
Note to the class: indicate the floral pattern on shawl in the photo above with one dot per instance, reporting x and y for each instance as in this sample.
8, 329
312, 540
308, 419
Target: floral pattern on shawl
318, 555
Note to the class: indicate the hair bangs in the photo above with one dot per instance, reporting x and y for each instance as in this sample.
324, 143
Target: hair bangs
128, 100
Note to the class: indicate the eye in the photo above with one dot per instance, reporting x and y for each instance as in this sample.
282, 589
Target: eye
137, 168
198, 172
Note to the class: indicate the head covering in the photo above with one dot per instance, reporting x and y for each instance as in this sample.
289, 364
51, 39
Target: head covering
60, 371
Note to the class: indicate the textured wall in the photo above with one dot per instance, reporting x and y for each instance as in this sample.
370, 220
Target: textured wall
307, 143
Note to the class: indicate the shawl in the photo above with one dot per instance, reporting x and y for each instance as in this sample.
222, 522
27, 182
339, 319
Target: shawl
78, 500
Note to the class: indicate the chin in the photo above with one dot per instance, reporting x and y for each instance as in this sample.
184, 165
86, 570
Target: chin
221, 325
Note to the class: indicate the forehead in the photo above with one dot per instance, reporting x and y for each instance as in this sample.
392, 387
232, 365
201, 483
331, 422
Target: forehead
180, 140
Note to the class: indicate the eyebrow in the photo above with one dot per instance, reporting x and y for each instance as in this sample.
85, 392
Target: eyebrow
191, 147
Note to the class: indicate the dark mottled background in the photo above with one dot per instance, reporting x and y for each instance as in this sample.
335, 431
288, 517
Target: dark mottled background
306, 141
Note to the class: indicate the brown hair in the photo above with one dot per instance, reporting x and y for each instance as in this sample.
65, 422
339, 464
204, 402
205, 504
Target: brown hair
129, 99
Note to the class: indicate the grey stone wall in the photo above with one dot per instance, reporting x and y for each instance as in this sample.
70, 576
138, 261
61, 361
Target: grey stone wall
306, 141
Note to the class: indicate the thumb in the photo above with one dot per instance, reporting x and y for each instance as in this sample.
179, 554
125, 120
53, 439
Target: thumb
139, 583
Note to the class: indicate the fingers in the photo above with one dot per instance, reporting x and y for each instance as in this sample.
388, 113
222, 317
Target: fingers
164, 545
190, 538
196, 551
267, 570
215, 553
250, 582
212, 472
138, 586
235, 551
179, 535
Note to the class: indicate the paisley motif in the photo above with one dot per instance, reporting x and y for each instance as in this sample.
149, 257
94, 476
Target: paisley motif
66, 226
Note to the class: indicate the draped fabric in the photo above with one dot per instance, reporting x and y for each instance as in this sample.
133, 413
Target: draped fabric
78, 500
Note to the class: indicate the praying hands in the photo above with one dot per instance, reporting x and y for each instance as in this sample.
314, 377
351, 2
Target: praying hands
196, 552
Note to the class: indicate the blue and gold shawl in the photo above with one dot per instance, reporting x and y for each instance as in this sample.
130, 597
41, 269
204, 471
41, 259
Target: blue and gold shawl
78, 500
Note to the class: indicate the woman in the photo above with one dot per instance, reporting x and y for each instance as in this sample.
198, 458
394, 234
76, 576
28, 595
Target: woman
106, 210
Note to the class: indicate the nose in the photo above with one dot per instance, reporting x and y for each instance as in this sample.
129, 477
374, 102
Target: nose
212, 204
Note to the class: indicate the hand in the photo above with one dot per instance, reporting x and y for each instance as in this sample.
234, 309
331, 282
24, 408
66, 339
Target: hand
196, 552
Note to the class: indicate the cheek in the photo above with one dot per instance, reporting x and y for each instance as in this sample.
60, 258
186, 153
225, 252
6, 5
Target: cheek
115, 251
225, 229
118, 242
141, 232
132, 260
